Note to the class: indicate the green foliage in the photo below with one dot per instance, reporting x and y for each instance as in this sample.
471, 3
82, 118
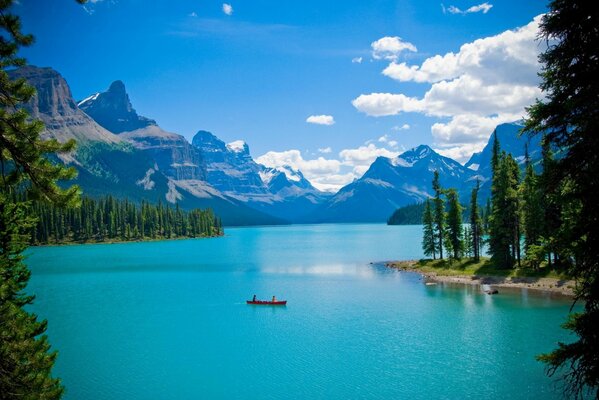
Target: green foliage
454, 233
429, 243
474, 236
504, 222
407, 215
569, 117
532, 215
110, 219
25, 357
439, 214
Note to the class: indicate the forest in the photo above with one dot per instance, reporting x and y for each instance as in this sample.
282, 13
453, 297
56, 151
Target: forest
111, 219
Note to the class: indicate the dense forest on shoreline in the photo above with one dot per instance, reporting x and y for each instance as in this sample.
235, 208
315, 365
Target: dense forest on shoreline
110, 219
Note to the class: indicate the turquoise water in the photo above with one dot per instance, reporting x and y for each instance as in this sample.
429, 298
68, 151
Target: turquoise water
168, 320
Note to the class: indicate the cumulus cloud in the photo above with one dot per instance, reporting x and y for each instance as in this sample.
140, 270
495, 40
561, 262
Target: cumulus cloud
321, 172
484, 8
325, 150
356, 60
389, 48
487, 82
329, 174
192, 14
321, 119
227, 9
382, 104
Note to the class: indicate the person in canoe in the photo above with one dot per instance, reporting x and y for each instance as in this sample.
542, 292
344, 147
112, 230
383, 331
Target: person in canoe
254, 299
274, 299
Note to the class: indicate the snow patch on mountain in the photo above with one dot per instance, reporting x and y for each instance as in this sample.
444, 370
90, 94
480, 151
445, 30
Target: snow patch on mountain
237, 146
146, 182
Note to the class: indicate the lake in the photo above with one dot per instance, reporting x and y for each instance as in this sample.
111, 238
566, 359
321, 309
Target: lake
168, 320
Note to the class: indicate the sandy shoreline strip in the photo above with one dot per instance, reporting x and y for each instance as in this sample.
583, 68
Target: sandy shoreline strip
551, 285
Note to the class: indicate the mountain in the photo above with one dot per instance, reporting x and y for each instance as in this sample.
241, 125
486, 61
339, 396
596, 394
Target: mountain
127, 165
282, 192
113, 110
392, 183
53, 104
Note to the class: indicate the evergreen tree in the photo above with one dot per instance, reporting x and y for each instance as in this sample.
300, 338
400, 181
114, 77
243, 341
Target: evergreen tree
429, 243
439, 216
504, 222
475, 231
569, 116
532, 212
25, 357
454, 224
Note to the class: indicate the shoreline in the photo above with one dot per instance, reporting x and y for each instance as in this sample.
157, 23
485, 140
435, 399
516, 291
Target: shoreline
542, 284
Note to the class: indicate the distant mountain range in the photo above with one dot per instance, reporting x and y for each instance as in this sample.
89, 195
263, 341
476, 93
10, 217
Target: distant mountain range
128, 155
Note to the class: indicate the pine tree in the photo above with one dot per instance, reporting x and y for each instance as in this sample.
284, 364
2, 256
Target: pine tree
569, 116
454, 224
439, 215
475, 231
429, 243
532, 212
25, 357
504, 223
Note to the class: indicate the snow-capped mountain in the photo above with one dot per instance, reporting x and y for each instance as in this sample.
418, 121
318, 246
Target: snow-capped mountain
392, 183
128, 155
282, 192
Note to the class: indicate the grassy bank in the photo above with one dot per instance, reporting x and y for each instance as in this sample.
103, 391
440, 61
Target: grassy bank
467, 271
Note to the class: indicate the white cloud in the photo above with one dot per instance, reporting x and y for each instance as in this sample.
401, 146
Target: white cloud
321, 119
356, 60
382, 104
363, 156
403, 127
487, 82
321, 172
510, 56
484, 7
329, 174
227, 9
325, 150
389, 48
192, 14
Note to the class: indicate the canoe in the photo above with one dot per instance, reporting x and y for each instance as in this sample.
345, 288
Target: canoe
267, 303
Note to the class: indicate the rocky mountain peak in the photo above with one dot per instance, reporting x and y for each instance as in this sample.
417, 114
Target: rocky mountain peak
113, 110
53, 96
118, 87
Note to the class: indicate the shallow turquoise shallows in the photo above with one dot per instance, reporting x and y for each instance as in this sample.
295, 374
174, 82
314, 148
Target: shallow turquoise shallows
168, 320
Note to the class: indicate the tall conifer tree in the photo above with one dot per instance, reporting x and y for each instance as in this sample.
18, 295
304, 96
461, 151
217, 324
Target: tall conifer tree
454, 230
25, 357
439, 214
569, 115
475, 231
429, 243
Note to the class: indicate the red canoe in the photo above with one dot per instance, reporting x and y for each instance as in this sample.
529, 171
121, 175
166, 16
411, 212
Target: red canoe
267, 303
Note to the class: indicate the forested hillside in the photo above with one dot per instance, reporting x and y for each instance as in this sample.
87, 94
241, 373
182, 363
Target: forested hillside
109, 219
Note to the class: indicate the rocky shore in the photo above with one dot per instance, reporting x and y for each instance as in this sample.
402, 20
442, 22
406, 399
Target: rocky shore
489, 282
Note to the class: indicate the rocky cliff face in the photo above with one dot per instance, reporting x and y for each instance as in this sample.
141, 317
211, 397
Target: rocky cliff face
172, 153
113, 110
54, 105
129, 165
230, 168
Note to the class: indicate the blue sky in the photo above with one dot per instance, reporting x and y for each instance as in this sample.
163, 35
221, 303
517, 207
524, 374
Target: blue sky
258, 71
